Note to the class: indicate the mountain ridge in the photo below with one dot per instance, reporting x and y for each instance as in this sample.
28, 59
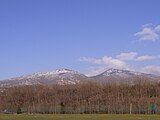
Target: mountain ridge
66, 76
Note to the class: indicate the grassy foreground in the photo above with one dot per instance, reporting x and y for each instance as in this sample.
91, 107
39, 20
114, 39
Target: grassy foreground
78, 117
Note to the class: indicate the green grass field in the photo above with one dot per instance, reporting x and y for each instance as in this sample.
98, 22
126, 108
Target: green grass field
78, 117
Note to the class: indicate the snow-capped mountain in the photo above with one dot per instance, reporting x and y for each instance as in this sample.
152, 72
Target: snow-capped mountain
60, 76
118, 72
66, 76
124, 76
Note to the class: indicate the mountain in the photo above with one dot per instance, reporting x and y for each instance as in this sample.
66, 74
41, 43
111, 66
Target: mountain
66, 76
60, 77
124, 76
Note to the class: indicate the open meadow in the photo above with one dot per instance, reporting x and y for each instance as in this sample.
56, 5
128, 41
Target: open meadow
78, 117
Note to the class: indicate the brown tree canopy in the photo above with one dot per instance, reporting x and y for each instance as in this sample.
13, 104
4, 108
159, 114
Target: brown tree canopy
89, 97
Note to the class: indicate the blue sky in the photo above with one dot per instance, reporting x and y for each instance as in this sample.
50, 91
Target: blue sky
85, 35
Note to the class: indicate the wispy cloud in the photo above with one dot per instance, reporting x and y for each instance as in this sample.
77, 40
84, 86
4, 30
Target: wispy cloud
157, 28
106, 60
113, 62
146, 57
121, 62
152, 69
90, 60
133, 56
127, 56
149, 33
92, 71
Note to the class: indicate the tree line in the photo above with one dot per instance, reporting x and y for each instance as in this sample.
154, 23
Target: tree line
87, 97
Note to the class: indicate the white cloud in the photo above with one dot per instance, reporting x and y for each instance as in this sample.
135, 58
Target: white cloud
133, 56
114, 63
95, 71
149, 33
90, 60
157, 29
147, 25
151, 69
107, 61
121, 61
127, 56
146, 57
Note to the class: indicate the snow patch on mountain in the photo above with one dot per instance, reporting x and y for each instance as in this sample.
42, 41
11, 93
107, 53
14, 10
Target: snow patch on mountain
70, 77
59, 76
118, 72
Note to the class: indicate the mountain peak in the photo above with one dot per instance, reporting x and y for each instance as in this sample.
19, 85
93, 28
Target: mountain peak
64, 70
113, 71
53, 73
61, 76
